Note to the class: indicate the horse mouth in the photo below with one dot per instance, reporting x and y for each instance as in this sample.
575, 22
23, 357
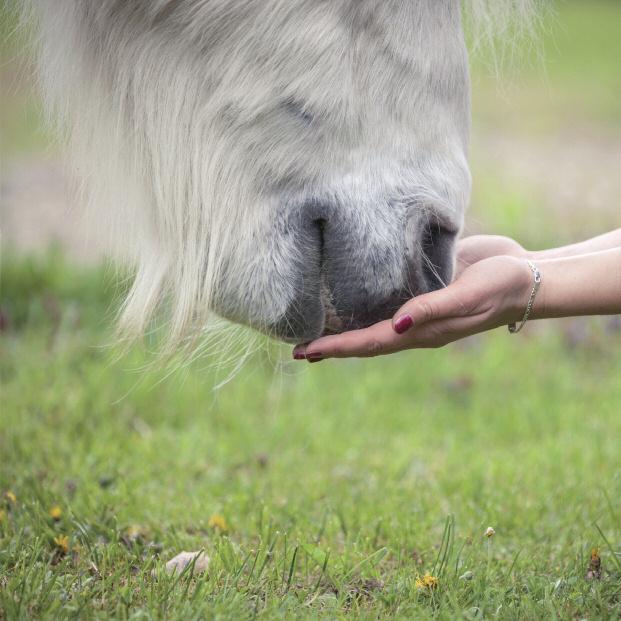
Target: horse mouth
340, 291
333, 324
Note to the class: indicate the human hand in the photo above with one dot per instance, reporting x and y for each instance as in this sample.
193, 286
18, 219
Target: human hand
492, 292
475, 248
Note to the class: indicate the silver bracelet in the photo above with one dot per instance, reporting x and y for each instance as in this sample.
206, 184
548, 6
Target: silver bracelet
513, 328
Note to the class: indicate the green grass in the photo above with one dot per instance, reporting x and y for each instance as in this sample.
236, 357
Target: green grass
336, 480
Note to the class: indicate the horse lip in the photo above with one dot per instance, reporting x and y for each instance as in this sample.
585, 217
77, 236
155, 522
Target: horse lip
333, 324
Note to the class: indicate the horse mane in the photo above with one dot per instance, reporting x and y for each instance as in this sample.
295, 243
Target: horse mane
501, 24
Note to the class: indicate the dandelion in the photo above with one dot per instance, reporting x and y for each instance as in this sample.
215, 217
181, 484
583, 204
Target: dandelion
134, 534
62, 543
490, 532
428, 582
55, 513
10, 497
217, 522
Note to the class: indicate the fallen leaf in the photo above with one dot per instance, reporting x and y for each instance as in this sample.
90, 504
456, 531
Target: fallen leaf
183, 559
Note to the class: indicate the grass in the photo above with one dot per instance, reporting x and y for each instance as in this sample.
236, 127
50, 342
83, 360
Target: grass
339, 483
326, 490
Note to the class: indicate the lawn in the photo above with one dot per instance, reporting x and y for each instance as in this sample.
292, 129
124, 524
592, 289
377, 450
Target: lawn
338, 483
346, 489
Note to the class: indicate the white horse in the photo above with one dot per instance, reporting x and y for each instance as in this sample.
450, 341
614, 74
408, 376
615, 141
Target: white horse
299, 166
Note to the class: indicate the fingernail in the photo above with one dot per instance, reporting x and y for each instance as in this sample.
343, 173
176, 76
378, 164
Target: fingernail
402, 324
298, 355
315, 356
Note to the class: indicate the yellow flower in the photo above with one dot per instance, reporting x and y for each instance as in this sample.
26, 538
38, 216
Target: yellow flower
135, 532
56, 513
490, 532
426, 582
217, 522
62, 543
10, 496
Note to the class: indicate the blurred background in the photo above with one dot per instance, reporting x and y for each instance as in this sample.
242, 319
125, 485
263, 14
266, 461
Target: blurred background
519, 432
551, 106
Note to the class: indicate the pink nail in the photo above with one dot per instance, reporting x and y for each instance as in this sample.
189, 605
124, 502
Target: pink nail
402, 324
299, 352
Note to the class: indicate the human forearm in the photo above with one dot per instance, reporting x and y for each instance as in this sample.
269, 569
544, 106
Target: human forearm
596, 244
586, 284
478, 247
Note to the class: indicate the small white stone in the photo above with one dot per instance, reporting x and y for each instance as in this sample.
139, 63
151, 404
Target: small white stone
183, 559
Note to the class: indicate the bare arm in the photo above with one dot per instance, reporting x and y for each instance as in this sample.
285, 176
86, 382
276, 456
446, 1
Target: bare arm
582, 284
601, 242
478, 247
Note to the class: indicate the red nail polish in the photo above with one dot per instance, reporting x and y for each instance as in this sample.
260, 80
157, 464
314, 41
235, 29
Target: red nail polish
298, 355
315, 356
402, 324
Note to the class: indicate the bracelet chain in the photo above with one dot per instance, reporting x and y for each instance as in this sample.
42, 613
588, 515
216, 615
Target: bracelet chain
513, 328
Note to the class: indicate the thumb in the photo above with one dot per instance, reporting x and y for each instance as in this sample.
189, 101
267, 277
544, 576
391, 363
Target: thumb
427, 307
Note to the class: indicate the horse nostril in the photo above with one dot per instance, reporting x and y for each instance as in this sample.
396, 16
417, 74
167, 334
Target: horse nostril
321, 227
437, 255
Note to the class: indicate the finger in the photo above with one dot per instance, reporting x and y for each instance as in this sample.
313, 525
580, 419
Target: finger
443, 331
462, 264
299, 351
378, 339
428, 307
381, 339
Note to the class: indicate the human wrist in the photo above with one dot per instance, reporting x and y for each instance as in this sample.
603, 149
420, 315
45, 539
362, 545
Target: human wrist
514, 282
522, 283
